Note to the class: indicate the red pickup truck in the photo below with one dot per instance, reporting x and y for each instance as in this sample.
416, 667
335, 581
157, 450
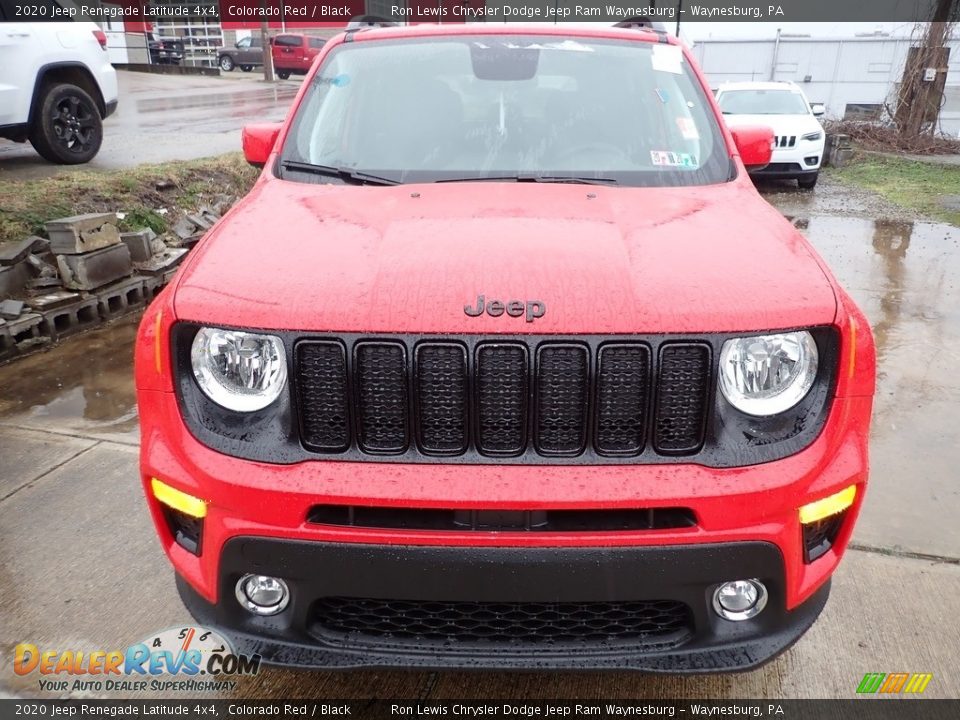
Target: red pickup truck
504, 363
293, 54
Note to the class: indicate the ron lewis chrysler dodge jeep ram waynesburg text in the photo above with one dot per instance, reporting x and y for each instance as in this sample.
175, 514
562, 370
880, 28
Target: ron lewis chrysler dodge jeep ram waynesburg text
503, 362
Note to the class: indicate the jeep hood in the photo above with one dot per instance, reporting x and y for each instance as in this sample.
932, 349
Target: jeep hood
409, 258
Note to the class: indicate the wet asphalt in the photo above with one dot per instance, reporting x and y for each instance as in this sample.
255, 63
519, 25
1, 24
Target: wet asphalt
167, 117
80, 566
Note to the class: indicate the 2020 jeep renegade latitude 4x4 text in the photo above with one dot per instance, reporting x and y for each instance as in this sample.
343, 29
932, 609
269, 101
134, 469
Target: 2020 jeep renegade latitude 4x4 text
504, 362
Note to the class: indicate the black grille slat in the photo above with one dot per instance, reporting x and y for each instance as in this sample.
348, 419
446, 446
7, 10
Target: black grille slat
562, 391
442, 398
683, 393
452, 624
501, 397
382, 405
623, 389
322, 384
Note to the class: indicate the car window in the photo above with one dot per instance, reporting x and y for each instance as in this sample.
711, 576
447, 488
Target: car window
474, 107
762, 102
317, 42
287, 40
244, 43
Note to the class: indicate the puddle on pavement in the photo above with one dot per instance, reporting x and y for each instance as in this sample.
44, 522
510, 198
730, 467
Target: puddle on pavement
83, 385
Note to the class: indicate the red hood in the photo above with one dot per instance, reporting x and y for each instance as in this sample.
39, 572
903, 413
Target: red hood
407, 259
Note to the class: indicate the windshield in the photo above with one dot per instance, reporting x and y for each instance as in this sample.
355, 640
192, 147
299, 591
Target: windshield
762, 102
507, 107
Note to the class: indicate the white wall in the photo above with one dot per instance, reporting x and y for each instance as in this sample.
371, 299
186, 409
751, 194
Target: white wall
841, 71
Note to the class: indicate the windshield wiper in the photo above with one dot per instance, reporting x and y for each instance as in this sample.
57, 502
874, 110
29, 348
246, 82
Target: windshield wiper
344, 173
533, 177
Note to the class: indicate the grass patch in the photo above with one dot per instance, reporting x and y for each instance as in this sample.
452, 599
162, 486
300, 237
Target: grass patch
25, 205
919, 186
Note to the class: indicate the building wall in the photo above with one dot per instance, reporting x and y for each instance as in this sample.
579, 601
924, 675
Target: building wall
836, 72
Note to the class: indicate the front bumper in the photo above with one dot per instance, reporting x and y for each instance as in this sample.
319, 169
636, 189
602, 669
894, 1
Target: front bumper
497, 580
747, 526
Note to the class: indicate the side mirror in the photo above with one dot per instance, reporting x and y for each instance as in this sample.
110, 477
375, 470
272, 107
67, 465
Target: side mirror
755, 145
818, 109
258, 141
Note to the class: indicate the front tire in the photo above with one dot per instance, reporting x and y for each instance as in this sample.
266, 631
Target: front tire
808, 183
283, 74
68, 129
246, 68
226, 63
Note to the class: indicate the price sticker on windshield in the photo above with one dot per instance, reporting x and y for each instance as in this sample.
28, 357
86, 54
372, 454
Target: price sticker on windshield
666, 58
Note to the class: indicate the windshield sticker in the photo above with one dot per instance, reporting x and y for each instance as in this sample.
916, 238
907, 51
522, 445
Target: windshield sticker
666, 58
688, 128
666, 158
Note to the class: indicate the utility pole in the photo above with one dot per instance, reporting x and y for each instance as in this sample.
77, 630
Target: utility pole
917, 95
265, 44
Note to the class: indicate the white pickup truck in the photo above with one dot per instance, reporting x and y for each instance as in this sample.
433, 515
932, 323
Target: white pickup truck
56, 82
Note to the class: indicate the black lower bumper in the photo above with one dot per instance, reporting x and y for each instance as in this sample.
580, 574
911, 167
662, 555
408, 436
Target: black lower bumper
497, 584
776, 172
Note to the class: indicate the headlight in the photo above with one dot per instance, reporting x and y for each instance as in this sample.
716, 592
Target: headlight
239, 370
814, 136
767, 374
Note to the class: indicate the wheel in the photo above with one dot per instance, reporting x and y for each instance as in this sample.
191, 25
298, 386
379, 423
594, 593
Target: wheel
283, 74
226, 63
808, 183
246, 68
68, 129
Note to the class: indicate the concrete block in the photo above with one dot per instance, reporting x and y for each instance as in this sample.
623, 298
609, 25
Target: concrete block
11, 309
51, 301
70, 319
121, 297
152, 285
162, 263
8, 348
139, 243
27, 330
183, 228
40, 265
82, 233
95, 269
14, 252
201, 221
43, 284
13, 279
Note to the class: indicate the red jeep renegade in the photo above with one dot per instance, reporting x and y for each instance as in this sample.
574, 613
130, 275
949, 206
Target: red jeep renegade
504, 362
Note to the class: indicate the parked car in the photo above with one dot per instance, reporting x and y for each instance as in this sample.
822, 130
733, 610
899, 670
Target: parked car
293, 54
526, 375
246, 54
56, 87
164, 50
798, 136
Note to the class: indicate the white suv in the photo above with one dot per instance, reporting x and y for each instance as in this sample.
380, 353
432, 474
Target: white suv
56, 83
782, 106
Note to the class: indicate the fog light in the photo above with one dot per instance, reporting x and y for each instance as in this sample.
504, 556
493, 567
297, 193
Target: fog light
740, 599
262, 594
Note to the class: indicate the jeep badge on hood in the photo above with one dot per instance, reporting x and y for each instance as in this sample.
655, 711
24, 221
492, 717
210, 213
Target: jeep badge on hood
514, 308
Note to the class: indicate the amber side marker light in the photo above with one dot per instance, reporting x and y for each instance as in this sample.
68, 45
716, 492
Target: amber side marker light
178, 500
831, 505
821, 522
